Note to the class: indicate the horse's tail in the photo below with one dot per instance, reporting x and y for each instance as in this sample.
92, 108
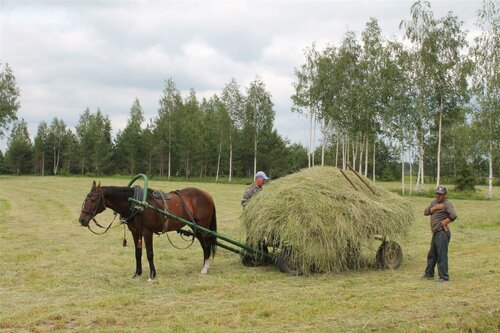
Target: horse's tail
213, 227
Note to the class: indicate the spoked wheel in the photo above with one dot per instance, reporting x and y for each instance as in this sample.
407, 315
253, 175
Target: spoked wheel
285, 264
389, 255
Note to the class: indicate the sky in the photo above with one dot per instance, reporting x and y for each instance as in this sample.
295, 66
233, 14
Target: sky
71, 55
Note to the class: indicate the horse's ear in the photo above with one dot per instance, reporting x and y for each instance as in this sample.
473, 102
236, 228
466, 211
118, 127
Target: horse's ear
93, 185
99, 185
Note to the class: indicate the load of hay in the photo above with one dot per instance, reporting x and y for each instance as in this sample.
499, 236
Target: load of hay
324, 218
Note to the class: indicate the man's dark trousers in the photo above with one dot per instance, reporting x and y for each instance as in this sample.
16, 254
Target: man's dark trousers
438, 254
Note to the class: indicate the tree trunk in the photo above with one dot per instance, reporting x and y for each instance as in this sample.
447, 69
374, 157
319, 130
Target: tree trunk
313, 143
161, 163
343, 153
309, 154
490, 171
402, 169
410, 160
43, 164
361, 151
150, 162
187, 165
421, 161
324, 144
366, 158
373, 166
169, 159
218, 160
418, 178
230, 156
323, 154
438, 172
255, 155
337, 151
347, 152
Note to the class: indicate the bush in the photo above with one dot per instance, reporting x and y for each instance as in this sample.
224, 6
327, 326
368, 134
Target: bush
465, 180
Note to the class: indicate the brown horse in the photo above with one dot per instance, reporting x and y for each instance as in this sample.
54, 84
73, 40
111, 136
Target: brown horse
198, 204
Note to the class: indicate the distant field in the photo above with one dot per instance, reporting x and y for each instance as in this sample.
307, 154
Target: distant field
57, 276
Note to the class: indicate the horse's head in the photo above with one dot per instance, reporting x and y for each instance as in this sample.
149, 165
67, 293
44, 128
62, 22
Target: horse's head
92, 205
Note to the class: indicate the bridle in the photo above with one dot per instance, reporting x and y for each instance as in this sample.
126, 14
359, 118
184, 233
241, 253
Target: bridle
100, 204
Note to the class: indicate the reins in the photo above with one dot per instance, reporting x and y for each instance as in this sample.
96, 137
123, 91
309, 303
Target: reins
100, 226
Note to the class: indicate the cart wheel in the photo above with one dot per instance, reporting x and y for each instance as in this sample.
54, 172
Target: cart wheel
284, 263
389, 255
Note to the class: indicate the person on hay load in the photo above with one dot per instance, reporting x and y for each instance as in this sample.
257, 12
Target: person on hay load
256, 187
442, 213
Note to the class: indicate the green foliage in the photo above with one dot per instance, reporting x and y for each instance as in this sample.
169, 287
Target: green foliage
258, 115
465, 180
3, 167
95, 146
9, 97
19, 153
129, 144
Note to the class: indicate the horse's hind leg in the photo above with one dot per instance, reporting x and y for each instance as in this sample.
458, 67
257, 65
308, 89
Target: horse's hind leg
148, 239
205, 244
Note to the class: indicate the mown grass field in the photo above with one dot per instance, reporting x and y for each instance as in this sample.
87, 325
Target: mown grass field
56, 275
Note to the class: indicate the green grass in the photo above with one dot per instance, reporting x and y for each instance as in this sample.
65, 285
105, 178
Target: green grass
57, 276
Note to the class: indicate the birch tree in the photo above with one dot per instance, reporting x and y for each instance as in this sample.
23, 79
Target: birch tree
55, 140
9, 97
306, 101
486, 54
371, 64
259, 113
449, 73
234, 102
417, 31
40, 147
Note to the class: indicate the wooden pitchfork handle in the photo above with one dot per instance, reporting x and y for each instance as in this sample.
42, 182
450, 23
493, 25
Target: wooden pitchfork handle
357, 174
342, 172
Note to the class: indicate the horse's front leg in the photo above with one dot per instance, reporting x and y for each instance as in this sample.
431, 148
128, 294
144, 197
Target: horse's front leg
148, 239
138, 255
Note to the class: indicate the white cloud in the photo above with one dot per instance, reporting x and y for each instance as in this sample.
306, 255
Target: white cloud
71, 55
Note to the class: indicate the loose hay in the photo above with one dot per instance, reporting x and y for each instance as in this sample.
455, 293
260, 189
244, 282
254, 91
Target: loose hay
323, 218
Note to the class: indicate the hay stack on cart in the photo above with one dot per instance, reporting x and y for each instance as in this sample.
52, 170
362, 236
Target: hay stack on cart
320, 217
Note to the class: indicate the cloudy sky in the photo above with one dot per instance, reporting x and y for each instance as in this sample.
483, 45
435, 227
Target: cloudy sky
70, 55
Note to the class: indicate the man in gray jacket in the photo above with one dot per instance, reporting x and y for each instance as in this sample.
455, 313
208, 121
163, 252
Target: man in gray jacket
442, 214
256, 187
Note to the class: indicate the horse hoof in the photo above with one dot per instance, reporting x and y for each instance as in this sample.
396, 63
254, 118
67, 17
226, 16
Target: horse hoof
204, 272
150, 280
136, 276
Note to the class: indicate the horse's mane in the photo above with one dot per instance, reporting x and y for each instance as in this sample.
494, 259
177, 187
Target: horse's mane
118, 191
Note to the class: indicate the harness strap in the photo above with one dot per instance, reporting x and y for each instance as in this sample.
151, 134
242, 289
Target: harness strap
188, 212
164, 196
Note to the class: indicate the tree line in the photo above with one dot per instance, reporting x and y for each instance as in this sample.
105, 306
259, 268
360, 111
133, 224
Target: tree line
226, 135
428, 103
432, 97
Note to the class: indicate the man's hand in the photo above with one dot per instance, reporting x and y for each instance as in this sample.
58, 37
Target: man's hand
445, 224
437, 207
